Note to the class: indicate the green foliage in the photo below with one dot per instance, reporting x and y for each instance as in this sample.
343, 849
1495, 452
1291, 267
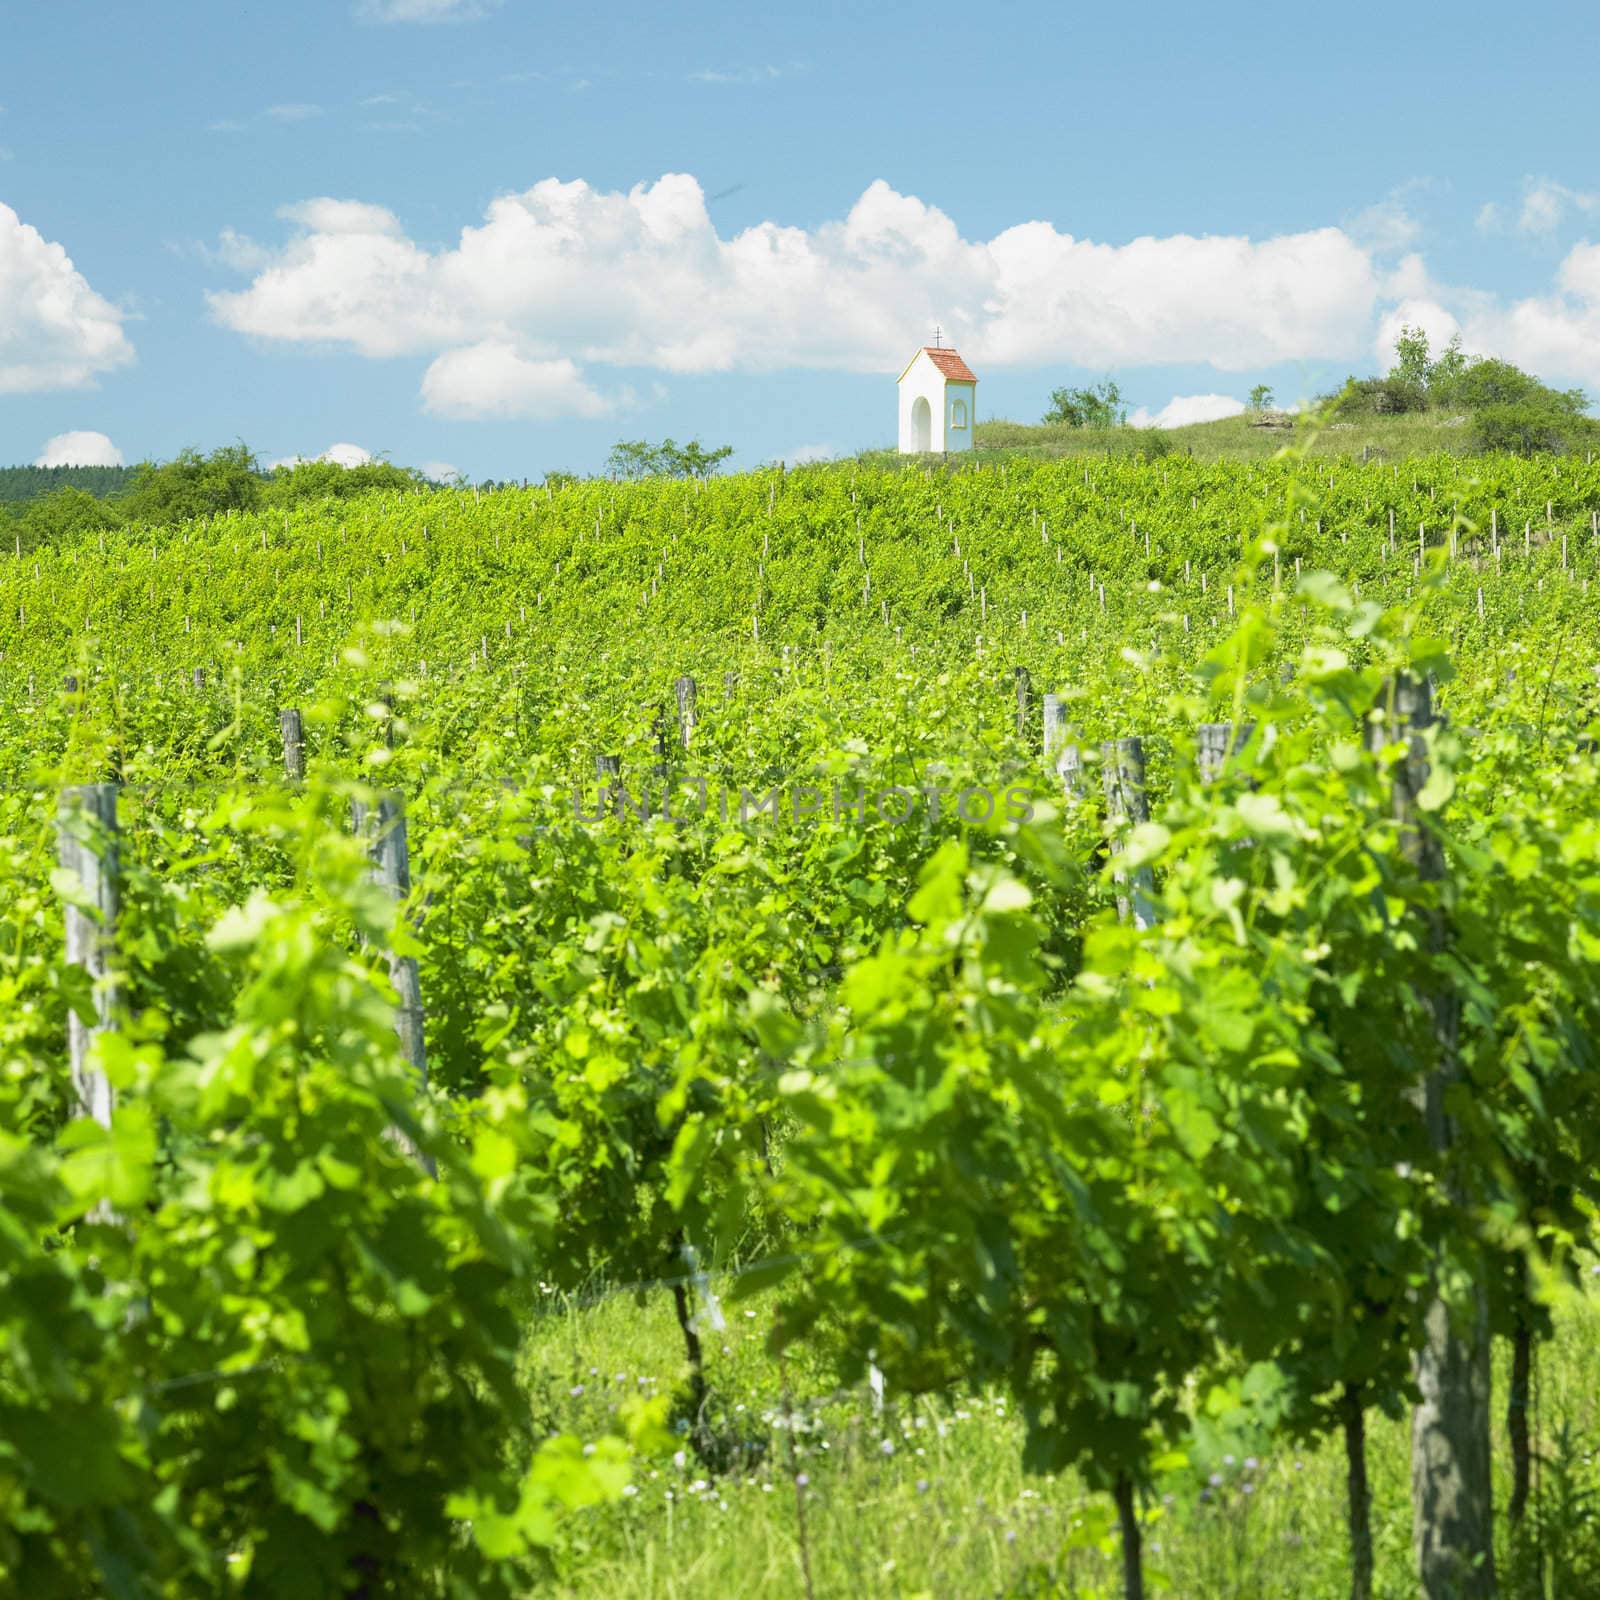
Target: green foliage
319, 480
1261, 397
194, 485
1163, 1186
1522, 427
1511, 410
633, 459
1095, 406
64, 513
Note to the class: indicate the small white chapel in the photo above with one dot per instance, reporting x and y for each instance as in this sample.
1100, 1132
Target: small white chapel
938, 401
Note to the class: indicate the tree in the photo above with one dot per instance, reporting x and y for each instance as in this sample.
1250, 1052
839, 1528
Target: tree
1261, 397
193, 485
632, 459
692, 460
1098, 406
1411, 357
65, 512
1444, 376
322, 480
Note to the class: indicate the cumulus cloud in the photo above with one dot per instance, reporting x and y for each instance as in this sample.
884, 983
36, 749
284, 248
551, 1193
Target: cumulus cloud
439, 471
1556, 335
343, 455
423, 10
493, 379
55, 331
564, 274
1183, 409
81, 449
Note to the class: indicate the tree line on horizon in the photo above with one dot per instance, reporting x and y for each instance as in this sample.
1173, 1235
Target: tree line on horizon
40, 504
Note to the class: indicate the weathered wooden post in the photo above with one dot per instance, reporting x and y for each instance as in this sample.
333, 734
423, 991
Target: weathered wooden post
685, 688
1215, 742
199, 677
1126, 801
87, 849
294, 744
1062, 758
382, 828
1452, 1499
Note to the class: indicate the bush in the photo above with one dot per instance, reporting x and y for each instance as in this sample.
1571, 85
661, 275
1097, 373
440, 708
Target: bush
1380, 397
1523, 427
321, 480
1099, 406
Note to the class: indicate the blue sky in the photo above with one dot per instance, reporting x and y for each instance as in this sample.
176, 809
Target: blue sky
736, 223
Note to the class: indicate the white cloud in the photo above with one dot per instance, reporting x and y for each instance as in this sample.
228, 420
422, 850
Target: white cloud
423, 10
803, 455
493, 379
438, 471
1489, 218
55, 331
343, 455
294, 113
346, 455
1183, 409
743, 75
1386, 227
1545, 204
564, 273
81, 449
1555, 335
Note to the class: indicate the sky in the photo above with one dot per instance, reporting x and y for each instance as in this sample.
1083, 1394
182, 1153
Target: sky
497, 237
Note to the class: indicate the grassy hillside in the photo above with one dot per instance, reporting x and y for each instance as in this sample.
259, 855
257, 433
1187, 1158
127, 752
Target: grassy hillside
1239, 438
1232, 439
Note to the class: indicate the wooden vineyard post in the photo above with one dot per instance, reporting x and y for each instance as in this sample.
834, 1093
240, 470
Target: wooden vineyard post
1215, 742
1452, 1508
199, 677
1024, 684
294, 744
383, 829
1126, 801
685, 688
87, 849
1061, 757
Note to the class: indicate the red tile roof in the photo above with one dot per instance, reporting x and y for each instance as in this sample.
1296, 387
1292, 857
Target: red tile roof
955, 370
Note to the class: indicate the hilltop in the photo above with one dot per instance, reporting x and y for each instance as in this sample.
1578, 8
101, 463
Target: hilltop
1241, 438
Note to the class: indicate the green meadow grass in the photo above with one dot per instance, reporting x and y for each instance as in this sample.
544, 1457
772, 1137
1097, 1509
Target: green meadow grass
1232, 438
928, 1498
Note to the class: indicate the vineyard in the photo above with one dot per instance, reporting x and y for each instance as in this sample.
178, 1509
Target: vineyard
541, 1025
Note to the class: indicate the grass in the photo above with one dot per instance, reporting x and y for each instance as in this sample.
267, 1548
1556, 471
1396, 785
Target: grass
927, 1498
1232, 438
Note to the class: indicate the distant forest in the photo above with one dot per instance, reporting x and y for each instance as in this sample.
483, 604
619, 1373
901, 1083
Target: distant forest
19, 484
